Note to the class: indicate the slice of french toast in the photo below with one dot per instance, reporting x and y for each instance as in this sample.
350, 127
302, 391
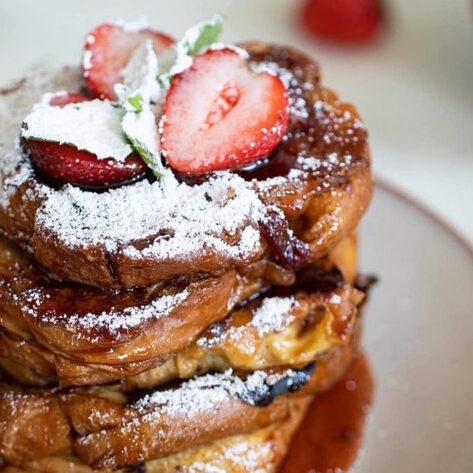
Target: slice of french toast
96, 422
75, 335
107, 429
261, 451
293, 207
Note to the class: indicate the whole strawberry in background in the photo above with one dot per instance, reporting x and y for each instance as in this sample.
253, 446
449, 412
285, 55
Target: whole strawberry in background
347, 21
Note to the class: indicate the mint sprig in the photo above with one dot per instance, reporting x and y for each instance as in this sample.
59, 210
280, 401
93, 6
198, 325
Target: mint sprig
195, 40
209, 32
136, 101
147, 156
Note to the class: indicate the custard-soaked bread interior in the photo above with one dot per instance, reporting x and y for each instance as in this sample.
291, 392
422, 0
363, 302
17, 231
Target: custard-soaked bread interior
317, 181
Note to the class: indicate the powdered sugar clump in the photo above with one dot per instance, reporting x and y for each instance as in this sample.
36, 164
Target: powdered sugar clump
139, 75
87, 61
94, 126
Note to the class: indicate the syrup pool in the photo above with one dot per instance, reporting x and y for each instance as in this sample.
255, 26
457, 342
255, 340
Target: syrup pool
331, 435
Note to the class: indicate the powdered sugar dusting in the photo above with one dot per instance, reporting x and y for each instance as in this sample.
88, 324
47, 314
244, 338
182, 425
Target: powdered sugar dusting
134, 26
117, 322
182, 219
248, 458
335, 124
206, 393
272, 316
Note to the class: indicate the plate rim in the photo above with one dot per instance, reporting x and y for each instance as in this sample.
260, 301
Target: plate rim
430, 213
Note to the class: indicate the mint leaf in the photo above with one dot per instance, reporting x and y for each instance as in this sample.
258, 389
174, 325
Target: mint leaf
208, 33
136, 101
148, 156
177, 59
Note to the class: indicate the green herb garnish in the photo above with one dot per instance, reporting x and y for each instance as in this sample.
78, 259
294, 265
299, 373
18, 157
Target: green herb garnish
148, 157
136, 101
209, 32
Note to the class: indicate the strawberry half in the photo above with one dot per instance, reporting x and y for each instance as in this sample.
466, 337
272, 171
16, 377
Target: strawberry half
218, 114
107, 51
349, 21
66, 163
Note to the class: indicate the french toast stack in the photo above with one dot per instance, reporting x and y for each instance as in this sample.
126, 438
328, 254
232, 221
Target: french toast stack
181, 322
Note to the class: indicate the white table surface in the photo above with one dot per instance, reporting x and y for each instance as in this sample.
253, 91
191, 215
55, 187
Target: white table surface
414, 88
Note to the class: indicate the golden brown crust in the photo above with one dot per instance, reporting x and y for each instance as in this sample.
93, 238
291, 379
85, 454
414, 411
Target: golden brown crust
105, 432
53, 347
312, 326
323, 204
80, 323
262, 450
31, 427
150, 441
102, 418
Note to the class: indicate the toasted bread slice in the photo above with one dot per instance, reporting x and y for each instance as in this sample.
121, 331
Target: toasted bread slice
108, 419
144, 233
107, 428
289, 328
136, 329
260, 451
81, 335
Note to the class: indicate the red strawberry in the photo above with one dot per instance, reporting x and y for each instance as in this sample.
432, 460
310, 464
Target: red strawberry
108, 49
60, 99
68, 164
218, 114
352, 21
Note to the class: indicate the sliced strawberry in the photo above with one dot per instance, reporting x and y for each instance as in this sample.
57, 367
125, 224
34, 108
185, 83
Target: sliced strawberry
66, 163
108, 49
62, 99
353, 21
218, 114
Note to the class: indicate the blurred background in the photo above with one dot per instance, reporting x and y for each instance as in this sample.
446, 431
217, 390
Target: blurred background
412, 79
